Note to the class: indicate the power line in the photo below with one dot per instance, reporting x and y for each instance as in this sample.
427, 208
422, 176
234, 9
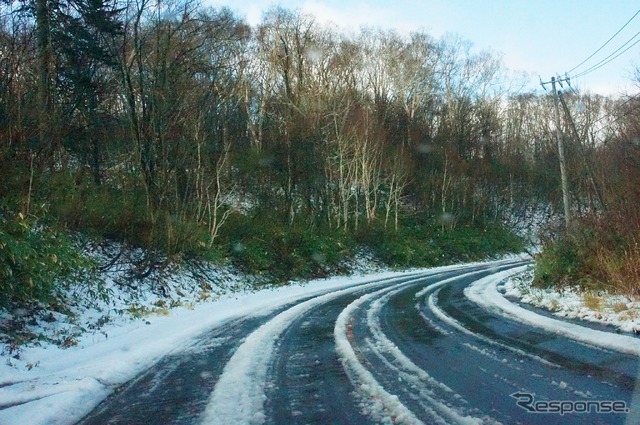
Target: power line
607, 42
610, 115
617, 117
609, 58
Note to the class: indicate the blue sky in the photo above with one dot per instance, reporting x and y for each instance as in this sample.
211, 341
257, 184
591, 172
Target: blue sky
540, 37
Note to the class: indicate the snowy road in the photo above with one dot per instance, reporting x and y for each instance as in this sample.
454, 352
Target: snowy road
431, 347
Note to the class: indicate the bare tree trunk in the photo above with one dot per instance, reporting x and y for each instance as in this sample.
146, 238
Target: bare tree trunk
45, 75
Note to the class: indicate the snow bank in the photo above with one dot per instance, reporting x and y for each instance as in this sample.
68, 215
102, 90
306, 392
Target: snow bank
485, 293
621, 312
49, 385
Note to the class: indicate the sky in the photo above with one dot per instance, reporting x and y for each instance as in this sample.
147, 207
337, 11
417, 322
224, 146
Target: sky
540, 37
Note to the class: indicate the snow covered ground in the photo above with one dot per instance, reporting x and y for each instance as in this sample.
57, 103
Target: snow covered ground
620, 312
110, 343
485, 293
54, 385
99, 344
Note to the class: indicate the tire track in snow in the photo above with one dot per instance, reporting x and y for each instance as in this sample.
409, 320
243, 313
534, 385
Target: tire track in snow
434, 396
379, 404
239, 395
432, 400
433, 307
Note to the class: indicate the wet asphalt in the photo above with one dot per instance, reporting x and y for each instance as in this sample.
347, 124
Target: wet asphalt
470, 373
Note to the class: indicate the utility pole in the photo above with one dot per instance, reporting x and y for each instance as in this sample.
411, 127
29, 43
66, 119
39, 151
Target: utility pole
561, 156
590, 172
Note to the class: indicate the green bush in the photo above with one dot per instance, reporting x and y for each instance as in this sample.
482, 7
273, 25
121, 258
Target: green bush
101, 211
471, 243
107, 212
317, 252
407, 247
590, 257
34, 259
559, 263
422, 244
262, 244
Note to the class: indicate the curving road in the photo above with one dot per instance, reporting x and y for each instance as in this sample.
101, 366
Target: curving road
415, 349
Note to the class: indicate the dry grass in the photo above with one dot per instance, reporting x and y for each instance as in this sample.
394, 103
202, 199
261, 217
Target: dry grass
619, 307
160, 311
622, 270
592, 301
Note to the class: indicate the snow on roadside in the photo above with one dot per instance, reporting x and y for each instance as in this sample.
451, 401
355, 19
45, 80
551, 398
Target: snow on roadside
51, 385
106, 347
621, 312
485, 293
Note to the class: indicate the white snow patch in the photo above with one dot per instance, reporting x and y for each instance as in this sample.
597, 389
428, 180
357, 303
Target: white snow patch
485, 293
76, 379
620, 311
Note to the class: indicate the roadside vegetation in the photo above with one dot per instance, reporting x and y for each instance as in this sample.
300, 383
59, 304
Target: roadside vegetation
283, 149
600, 251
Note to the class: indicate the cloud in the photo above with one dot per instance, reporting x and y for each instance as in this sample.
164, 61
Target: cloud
254, 13
352, 16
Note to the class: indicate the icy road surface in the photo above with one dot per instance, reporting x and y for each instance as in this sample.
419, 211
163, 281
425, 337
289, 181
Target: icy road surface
441, 346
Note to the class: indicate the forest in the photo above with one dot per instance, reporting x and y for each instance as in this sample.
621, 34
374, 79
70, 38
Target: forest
286, 147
